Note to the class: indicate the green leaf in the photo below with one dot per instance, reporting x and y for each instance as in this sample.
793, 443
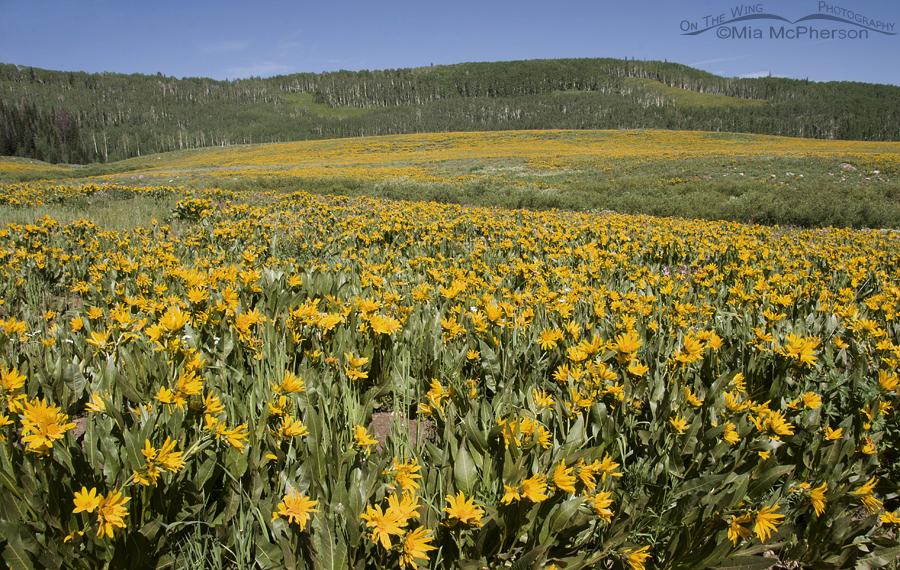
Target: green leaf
735, 496
704, 483
236, 463
331, 551
133, 447
491, 365
746, 563
464, 472
762, 483
563, 514
128, 389
881, 560
575, 437
151, 529
205, 471
74, 379
8, 481
721, 549
529, 559
474, 433
16, 552
90, 444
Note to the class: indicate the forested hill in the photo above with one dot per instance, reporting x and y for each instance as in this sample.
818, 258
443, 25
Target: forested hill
77, 117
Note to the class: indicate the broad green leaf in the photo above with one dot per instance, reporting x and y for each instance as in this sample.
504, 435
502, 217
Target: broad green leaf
133, 446
704, 484
331, 551
124, 384
74, 379
720, 551
465, 473
491, 365
764, 481
563, 514
576, 436
529, 560
205, 471
90, 443
16, 553
882, 559
474, 433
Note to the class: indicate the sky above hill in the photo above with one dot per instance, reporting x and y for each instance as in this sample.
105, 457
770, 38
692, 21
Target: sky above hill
845, 40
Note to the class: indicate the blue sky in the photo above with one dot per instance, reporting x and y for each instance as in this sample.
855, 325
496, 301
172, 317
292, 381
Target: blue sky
232, 39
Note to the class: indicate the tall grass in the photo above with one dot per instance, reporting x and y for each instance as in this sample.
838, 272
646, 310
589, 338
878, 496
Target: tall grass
110, 213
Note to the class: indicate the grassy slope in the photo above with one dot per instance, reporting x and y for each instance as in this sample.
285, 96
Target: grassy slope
693, 98
306, 101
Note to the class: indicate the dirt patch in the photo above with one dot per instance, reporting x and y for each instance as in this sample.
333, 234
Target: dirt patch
419, 430
80, 427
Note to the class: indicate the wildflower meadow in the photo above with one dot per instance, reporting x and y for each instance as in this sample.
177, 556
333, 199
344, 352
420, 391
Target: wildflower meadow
276, 379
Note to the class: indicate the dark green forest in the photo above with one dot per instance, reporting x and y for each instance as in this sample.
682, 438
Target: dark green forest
76, 117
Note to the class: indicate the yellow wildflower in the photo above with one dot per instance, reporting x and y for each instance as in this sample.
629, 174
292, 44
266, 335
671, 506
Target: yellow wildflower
291, 383
534, 488
86, 501
607, 466
692, 398
11, 380
832, 434
406, 473
415, 545
462, 510
637, 558
111, 510
601, 502
97, 404
736, 532
42, 425
362, 439
730, 435
817, 497
679, 424
766, 521
811, 400
563, 477
296, 509
512, 494
383, 525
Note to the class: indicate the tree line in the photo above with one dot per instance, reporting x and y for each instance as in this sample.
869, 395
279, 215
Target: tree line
76, 117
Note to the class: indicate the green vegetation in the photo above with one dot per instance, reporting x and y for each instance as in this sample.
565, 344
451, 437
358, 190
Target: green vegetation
687, 98
75, 117
805, 192
117, 210
307, 102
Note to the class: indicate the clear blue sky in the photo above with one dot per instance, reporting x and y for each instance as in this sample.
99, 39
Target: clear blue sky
232, 39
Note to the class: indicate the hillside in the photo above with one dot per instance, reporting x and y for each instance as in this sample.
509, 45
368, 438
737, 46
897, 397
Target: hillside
75, 117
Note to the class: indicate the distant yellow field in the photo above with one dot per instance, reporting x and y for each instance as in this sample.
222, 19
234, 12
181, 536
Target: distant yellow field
418, 156
10, 164
451, 156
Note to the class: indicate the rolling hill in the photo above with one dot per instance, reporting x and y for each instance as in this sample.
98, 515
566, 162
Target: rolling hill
75, 117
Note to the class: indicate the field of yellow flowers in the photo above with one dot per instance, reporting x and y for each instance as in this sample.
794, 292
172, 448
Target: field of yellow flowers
564, 390
523, 157
706, 175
